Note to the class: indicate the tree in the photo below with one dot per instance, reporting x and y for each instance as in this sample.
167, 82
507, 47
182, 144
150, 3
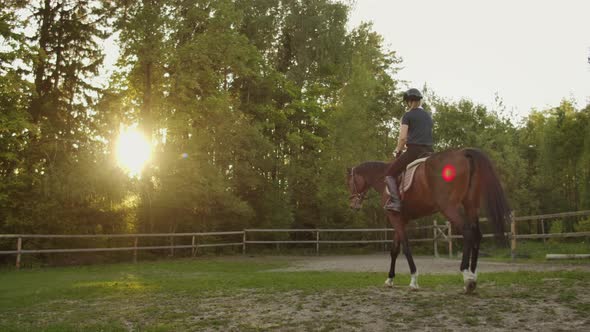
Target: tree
15, 123
57, 190
361, 127
140, 83
465, 124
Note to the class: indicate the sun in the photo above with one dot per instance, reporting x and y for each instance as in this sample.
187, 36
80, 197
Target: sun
133, 151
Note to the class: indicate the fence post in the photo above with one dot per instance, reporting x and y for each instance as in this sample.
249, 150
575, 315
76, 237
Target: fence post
543, 230
172, 246
194, 249
244, 243
317, 243
19, 246
435, 237
513, 237
450, 239
135, 250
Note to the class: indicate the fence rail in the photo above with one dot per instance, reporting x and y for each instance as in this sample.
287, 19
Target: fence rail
194, 246
440, 233
323, 230
76, 236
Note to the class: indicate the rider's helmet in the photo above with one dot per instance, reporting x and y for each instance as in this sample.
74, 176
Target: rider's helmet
412, 95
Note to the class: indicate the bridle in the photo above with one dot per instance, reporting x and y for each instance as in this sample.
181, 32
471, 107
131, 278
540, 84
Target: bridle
358, 195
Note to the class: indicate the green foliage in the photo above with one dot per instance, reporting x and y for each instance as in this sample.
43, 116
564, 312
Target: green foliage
556, 144
557, 226
56, 175
255, 108
583, 226
464, 124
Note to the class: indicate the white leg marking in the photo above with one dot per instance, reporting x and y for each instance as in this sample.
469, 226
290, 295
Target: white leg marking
389, 282
469, 276
469, 281
414, 281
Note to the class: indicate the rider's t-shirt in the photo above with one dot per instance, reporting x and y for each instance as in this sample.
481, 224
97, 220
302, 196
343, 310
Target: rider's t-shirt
419, 124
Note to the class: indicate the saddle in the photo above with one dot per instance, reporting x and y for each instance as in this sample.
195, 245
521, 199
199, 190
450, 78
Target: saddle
406, 178
404, 181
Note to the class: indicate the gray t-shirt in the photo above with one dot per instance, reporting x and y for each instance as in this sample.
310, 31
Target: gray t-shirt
419, 126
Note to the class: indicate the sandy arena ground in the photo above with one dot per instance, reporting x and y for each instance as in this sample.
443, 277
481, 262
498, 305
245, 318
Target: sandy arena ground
552, 304
425, 264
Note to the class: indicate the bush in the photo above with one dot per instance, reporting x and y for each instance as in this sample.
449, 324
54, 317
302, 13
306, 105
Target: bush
583, 225
556, 226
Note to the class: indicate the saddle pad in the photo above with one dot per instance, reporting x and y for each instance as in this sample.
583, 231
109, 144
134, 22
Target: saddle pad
408, 175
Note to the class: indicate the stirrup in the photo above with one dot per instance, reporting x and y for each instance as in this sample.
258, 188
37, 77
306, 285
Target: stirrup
391, 206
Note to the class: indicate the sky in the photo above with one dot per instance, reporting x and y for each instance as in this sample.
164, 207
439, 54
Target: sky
531, 53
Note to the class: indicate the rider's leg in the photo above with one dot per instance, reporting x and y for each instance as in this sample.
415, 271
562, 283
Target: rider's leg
394, 170
394, 203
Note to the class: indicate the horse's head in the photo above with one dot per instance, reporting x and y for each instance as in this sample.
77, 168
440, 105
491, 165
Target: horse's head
358, 187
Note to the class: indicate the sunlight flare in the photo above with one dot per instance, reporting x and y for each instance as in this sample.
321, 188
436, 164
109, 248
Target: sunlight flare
133, 150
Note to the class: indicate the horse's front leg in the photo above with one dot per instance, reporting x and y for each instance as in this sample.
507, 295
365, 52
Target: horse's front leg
394, 253
413, 270
401, 234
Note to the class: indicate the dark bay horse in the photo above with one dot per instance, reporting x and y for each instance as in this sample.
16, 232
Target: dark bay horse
458, 195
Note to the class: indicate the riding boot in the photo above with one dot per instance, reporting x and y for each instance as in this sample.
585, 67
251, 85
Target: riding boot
394, 203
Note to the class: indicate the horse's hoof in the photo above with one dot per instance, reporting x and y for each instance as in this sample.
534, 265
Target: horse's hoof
388, 283
469, 287
414, 282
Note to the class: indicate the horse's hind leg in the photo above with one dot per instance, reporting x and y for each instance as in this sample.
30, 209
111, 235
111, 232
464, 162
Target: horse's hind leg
469, 239
394, 253
455, 217
470, 275
476, 240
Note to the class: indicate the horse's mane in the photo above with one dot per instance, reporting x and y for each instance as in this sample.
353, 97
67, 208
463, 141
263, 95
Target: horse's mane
371, 167
371, 170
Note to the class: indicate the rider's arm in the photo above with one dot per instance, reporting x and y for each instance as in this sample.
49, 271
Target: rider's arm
402, 139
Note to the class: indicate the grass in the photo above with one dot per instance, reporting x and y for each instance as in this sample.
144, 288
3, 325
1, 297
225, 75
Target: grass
223, 294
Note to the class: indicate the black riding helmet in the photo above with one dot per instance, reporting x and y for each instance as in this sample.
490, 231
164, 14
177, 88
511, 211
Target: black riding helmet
412, 94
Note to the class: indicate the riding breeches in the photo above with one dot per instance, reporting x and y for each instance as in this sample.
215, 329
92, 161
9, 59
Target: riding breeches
412, 153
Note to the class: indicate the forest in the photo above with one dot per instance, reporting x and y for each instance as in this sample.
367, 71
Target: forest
254, 110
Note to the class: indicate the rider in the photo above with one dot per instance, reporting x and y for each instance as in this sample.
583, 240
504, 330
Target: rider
415, 134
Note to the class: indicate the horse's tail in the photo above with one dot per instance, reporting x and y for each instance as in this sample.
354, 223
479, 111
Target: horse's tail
494, 198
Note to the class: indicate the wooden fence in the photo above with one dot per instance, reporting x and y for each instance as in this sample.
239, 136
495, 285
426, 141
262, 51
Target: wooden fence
441, 233
194, 246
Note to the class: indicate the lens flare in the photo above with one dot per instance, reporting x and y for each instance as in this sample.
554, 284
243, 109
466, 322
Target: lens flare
133, 151
448, 173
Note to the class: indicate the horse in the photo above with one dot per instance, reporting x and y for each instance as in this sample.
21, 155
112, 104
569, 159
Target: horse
454, 182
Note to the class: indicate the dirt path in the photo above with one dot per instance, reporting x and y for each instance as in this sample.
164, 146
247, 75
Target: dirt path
425, 265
